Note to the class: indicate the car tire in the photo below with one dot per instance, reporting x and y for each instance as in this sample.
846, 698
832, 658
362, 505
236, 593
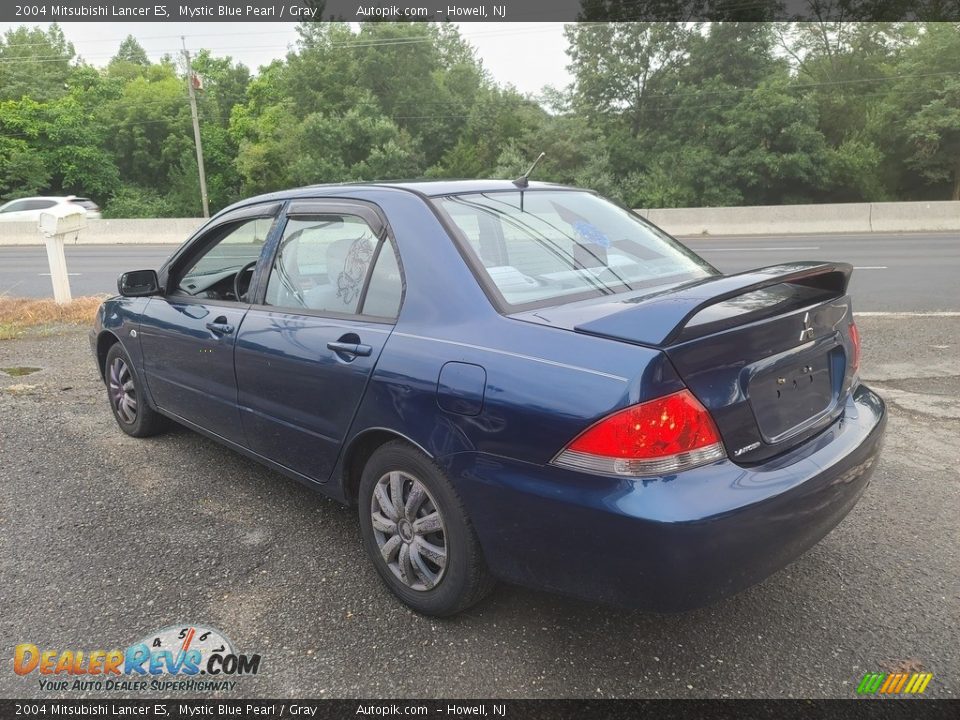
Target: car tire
126, 397
405, 553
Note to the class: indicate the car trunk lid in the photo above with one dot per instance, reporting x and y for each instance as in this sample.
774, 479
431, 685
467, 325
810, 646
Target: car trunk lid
767, 352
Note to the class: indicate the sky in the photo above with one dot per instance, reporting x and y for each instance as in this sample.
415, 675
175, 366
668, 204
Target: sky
525, 55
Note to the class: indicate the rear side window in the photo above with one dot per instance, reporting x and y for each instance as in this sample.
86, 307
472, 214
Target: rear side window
322, 263
385, 289
85, 203
551, 246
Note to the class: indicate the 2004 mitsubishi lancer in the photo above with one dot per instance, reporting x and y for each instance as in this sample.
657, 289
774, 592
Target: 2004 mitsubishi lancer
509, 380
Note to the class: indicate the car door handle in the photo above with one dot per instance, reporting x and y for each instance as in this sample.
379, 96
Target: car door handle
350, 348
220, 328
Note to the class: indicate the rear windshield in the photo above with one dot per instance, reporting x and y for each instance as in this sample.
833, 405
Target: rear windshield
555, 246
85, 203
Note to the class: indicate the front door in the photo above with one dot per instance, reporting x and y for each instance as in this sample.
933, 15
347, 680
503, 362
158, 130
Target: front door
188, 335
306, 352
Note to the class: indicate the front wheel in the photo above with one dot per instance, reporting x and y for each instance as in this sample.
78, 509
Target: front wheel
127, 400
417, 533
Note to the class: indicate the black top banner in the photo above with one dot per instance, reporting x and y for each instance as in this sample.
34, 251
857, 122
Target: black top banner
488, 709
477, 10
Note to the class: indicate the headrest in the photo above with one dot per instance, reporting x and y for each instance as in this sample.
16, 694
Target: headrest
347, 262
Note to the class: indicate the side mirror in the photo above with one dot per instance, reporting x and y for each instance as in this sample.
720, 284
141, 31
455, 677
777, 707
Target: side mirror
139, 283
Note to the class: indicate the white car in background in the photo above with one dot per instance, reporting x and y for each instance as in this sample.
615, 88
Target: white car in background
29, 209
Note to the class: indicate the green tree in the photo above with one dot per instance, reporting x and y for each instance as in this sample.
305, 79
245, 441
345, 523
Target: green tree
23, 171
384, 100
617, 67
131, 51
53, 147
35, 63
498, 120
150, 126
922, 113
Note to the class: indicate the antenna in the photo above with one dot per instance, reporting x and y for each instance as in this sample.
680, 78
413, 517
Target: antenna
522, 181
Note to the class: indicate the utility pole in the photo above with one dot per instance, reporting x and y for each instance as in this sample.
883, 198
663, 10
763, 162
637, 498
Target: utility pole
196, 130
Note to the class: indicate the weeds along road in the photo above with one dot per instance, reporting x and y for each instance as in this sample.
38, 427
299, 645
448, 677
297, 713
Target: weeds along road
104, 538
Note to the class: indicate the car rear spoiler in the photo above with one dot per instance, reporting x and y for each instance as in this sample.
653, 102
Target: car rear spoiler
661, 319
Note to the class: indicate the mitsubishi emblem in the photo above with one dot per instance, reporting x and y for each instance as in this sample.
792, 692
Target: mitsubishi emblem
807, 332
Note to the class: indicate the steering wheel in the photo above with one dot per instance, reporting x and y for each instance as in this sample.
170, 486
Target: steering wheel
237, 282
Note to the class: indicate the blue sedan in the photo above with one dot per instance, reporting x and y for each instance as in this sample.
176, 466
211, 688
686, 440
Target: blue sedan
509, 380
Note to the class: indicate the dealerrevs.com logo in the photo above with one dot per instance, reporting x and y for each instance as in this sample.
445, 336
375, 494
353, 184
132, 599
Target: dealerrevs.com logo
179, 657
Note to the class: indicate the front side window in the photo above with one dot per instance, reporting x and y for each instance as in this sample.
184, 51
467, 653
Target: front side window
322, 263
542, 246
214, 274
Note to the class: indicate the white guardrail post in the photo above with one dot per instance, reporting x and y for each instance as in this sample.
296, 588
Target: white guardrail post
55, 224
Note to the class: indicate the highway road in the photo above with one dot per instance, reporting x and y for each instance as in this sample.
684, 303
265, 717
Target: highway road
894, 272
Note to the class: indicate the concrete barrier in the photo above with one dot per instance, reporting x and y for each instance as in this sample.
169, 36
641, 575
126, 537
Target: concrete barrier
903, 216
772, 220
942, 216
172, 231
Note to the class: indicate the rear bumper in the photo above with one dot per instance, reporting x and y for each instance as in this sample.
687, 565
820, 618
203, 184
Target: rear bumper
671, 543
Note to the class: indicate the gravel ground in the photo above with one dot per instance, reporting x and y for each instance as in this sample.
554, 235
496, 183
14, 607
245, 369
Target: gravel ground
104, 538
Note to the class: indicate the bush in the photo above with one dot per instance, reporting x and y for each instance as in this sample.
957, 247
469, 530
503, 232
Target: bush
137, 202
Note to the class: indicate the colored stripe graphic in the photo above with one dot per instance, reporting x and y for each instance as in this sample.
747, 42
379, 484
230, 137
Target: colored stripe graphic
894, 683
870, 683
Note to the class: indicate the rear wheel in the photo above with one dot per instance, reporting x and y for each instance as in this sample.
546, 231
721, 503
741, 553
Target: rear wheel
417, 533
127, 401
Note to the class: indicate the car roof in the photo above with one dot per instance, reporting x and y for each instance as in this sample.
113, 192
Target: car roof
437, 188
46, 197
427, 188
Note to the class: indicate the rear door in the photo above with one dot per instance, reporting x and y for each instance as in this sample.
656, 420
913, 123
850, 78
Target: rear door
306, 350
188, 335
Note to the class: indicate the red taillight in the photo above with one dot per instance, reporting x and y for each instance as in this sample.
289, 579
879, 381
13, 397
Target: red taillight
855, 343
656, 437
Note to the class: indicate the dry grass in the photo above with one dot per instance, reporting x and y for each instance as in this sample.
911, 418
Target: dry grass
20, 314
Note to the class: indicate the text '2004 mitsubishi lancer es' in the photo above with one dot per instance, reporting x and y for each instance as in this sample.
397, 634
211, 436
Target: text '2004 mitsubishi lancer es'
509, 380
